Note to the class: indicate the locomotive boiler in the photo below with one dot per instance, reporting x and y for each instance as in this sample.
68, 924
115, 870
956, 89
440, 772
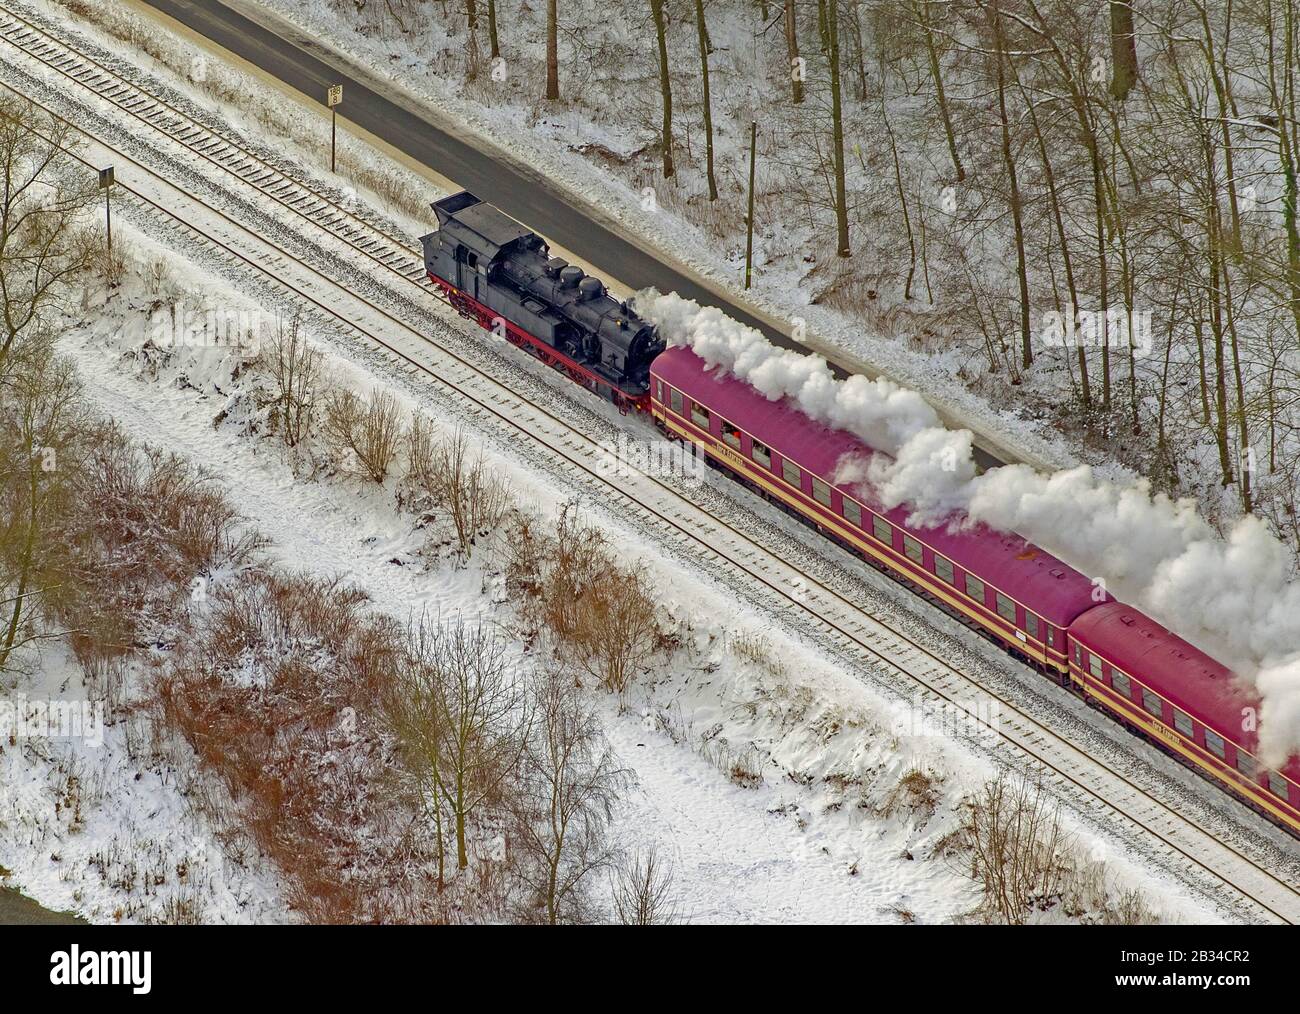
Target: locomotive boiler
501, 274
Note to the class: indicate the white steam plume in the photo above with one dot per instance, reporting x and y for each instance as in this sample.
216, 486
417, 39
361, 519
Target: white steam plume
1233, 597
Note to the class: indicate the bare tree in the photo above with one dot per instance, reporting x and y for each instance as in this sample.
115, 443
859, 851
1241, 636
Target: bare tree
296, 371
1018, 847
570, 785
446, 477
792, 54
493, 39
410, 707
921, 11
837, 131
371, 431
43, 414
1123, 49
41, 250
1013, 180
642, 891
703, 32
462, 714
484, 717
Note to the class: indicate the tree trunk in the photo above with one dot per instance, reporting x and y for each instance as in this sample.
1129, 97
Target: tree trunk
665, 84
1054, 200
708, 105
1017, 219
1123, 49
492, 29
837, 132
552, 52
939, 94
792, 51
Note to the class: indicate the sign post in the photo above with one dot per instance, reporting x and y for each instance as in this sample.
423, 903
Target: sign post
106, 185
334, 98
749, 232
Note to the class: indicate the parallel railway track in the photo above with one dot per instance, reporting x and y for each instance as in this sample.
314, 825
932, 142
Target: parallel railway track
692, 531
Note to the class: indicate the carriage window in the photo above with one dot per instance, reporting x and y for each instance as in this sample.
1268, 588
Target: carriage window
1183, 723
1006, 608
913, 549
821, 492
699, 415
852, 511
1214, 743
882, 530
1153, 703
675, 400
659, 390
1031, 625
790, 472
731, 434
1051, 635
943, 567
762, 455
1078, 655
1094, 666
1245, 764
1121, 683
975, 588
1277, 785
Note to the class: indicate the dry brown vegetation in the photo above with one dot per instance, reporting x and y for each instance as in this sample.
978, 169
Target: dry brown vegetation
365, 434
598, 610
442, 475
916, 793
278, 696
1027, 864
297, 376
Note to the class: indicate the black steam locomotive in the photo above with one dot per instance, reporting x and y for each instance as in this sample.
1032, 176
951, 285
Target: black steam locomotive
500, 274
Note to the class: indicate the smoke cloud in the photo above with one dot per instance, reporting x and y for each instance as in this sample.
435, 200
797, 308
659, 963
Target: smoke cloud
1232, 596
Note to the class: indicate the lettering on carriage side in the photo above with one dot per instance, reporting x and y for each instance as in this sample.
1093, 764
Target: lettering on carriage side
723, 451
1165, 732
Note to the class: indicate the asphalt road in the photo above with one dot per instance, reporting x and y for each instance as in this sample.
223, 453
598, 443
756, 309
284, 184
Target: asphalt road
528, 197
17, 910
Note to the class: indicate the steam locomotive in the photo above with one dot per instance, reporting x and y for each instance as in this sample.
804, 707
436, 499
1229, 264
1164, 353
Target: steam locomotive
501, 275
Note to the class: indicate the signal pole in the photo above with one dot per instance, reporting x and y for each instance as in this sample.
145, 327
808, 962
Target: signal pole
106, 185
334, 98
749, 240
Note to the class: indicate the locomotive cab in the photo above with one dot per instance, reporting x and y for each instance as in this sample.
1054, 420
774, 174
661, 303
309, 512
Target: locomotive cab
491, 266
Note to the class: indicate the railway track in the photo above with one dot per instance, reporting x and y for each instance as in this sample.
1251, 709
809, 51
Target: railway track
693, 532
377, 240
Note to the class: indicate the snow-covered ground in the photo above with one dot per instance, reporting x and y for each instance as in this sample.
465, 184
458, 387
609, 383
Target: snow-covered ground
809, 843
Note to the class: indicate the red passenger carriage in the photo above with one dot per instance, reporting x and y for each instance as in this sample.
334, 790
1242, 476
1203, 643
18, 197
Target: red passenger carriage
1015, 592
